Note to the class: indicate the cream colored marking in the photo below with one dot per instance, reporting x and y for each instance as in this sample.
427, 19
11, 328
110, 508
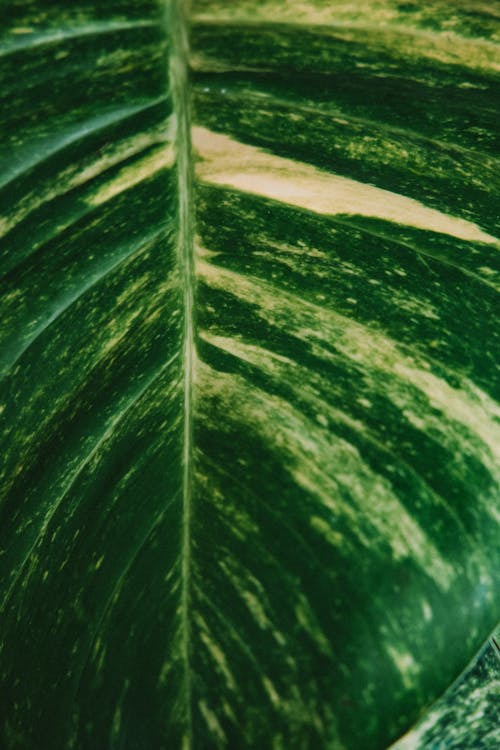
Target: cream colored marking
378, 354
332, 470
291, 10
317, 11
219, 657
130, 147
271, 691
250, 169
257, 610
427, 610
467, 405
408, 668
379, 22
134, 174
412, 305
73, 177
283, 249
449, 49
307, 620
282, 369
333, 537
471, 407
213, 724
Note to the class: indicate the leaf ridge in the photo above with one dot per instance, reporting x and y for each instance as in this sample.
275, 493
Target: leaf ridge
29, 39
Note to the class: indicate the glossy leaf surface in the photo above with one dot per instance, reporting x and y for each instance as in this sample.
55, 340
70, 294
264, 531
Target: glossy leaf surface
250, 476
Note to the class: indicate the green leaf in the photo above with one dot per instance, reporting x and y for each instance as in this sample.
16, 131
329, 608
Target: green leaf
249, 396
466, 716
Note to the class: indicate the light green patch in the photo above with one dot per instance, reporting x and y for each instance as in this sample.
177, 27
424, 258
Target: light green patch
406, 665
332, 471
212, 723
128, 177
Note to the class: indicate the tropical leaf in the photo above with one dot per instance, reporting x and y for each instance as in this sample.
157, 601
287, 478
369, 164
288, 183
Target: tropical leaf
250, 477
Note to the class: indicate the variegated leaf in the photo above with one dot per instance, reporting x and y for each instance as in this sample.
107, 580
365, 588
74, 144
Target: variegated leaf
250, 423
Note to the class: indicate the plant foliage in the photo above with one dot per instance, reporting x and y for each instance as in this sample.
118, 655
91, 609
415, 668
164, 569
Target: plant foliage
249, 418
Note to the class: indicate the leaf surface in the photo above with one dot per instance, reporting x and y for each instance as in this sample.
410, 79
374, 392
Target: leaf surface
250, 477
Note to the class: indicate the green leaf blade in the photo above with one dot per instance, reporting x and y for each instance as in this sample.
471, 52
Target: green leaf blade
351, 362
249, 428
93, 373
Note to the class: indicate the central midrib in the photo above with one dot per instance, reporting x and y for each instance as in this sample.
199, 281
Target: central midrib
178, 76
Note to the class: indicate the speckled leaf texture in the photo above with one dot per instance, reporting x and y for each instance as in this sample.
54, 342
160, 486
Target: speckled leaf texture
466, 717
249, 418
